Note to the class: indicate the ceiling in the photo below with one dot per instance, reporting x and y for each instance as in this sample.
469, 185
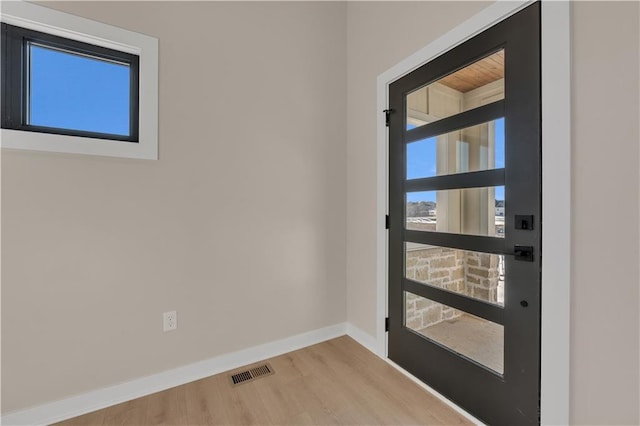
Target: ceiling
478, 74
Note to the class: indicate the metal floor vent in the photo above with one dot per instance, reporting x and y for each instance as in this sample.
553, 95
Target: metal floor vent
251, 374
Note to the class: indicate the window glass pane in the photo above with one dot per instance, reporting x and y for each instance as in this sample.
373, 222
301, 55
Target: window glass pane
475, 85
73, 91
468, 335
473, 211
471, 149
470, 273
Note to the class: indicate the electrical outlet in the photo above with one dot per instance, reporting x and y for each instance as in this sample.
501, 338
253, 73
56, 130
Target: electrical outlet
169, 321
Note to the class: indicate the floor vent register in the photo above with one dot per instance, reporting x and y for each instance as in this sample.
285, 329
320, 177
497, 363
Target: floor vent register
251, 374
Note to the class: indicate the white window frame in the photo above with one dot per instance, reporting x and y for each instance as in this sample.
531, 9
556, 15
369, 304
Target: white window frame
39, 18
556, 193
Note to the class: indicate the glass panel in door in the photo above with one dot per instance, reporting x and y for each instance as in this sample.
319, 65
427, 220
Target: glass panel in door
467, 335
469, 273
471, 211
474, 148
477, 84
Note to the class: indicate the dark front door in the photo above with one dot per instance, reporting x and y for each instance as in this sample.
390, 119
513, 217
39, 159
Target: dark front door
465, 222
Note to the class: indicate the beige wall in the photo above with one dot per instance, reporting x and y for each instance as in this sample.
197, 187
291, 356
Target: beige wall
240, 226
604, 297
605, 323
379, 35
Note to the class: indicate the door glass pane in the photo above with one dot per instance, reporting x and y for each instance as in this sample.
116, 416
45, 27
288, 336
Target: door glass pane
475, 85
470, 273
471, 149
473, 211
468, 335
78, 92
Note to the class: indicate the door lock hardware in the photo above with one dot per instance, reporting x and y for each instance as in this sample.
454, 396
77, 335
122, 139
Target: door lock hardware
524, 253
524, 222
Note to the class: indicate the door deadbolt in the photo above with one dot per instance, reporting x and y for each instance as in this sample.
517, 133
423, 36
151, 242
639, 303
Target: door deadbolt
524, 222
524, 253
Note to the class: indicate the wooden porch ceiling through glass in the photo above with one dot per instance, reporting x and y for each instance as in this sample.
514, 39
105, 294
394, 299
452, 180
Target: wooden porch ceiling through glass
478, 74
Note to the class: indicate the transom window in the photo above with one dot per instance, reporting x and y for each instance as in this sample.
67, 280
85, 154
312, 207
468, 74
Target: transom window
61, 86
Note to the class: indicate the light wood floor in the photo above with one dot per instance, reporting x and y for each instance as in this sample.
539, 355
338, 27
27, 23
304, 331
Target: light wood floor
337, 382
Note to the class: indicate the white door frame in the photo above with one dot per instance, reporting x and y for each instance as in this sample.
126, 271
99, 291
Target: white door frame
556, 183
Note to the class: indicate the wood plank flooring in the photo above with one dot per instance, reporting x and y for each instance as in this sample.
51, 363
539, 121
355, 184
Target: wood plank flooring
337, 382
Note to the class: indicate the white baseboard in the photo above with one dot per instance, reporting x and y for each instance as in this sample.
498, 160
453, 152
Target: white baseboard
365, 339
95, 400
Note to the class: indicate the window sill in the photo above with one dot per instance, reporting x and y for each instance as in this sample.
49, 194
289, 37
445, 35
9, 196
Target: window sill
19, 139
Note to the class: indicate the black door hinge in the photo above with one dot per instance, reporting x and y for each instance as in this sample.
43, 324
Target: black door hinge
386, 221
386, 324
387, 114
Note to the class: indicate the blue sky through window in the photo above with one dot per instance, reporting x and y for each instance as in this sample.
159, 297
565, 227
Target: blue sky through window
421, 161
71, 91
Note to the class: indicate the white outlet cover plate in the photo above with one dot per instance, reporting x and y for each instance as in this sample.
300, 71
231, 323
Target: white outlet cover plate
169, 320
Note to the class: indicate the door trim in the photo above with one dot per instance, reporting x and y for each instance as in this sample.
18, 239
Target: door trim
556, 194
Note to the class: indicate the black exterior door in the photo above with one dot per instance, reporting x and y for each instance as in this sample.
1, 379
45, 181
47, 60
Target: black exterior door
465, 222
